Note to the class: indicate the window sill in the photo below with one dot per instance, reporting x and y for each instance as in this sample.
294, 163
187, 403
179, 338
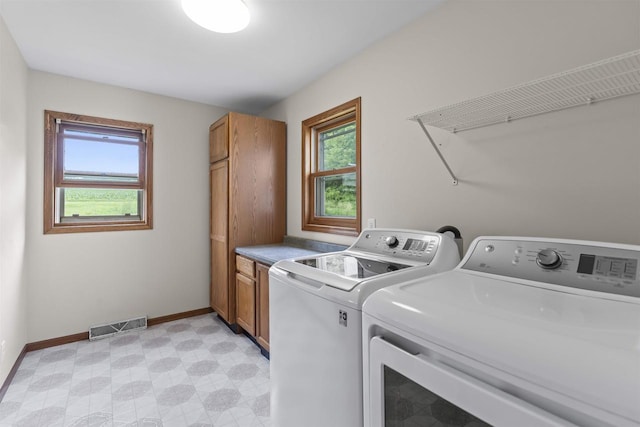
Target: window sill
332, 229
89, 228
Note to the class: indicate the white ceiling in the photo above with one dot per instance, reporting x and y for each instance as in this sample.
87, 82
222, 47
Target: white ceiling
150, 45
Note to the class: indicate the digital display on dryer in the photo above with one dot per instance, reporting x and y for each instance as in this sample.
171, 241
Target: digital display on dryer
415, 245
624, 268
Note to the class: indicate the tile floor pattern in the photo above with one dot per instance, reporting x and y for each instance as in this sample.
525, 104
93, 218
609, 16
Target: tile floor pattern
190, 372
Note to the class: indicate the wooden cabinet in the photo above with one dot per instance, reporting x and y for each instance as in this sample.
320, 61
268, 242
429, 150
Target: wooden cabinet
252, 299
262, 305
219, 140
246, 303
248, 200
219, 177
245, 294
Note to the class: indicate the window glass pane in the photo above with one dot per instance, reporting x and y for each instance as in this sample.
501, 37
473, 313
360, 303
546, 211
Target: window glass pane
87, 202
336, 195
337, 147
86, 159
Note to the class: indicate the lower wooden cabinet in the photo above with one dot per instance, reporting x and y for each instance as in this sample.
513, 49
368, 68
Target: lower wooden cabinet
252, 299
246, 303
262, 306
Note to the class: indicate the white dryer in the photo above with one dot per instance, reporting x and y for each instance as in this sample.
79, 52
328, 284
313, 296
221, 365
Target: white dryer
524, 332
316, 322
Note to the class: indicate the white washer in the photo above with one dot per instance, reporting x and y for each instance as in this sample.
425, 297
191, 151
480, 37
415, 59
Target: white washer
316, 322
524, 332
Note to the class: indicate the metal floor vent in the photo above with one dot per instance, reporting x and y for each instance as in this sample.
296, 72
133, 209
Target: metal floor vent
104, 331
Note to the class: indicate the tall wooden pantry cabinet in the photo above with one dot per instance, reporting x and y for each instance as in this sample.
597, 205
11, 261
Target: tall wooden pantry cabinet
248, 196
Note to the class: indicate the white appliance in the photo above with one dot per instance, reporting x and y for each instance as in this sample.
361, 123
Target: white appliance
524, 332
315, 321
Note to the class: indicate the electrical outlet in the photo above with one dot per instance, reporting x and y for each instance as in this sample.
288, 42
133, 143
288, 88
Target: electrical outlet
371, 223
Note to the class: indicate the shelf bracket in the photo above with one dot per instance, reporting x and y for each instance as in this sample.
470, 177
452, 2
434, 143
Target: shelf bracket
435, 147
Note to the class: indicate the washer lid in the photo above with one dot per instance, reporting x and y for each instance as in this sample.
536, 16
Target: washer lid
340, 270
579, 345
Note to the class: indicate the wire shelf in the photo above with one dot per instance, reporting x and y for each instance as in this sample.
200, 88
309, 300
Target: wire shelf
606, 79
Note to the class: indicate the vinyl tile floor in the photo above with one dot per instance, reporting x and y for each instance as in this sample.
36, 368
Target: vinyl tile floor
190, 372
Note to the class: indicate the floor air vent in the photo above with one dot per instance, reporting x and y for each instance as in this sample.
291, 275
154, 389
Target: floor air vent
104, 331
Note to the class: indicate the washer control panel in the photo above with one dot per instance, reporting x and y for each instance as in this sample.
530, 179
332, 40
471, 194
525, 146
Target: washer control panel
413, 245
598, 268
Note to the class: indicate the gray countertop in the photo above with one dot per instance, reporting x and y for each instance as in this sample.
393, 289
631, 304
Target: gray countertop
291, 247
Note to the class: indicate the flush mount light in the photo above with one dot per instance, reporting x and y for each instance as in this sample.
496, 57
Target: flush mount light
221, 16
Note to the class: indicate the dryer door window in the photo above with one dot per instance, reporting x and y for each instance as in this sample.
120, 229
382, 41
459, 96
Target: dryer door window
407, 403
409, 388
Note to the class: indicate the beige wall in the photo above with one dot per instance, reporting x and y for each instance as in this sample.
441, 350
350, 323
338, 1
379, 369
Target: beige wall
85, 279
571, 174
13, 176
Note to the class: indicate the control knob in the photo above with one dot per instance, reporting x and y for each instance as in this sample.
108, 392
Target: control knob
391, 241
549, 259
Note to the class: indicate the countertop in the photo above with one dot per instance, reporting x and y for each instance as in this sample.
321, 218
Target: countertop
291, 247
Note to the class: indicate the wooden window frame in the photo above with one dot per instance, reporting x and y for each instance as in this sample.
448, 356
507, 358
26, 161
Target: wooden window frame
311, 127
53, 175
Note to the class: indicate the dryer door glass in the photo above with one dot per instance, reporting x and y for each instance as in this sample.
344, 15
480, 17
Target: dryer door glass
413, 387
409, 404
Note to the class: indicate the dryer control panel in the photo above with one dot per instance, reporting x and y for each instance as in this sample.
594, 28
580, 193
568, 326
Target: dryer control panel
584, 265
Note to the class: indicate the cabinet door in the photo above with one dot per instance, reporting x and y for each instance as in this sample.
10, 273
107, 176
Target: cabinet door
219, 238
262, 335
257, 164
246, 303
219, 140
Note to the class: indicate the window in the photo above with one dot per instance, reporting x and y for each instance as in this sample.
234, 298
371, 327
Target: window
98, 174
331, 170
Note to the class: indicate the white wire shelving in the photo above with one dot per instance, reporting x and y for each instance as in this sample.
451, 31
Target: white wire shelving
607, 79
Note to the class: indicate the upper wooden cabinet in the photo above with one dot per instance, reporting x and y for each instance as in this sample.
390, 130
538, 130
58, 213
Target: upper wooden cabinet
219, 140
248, 196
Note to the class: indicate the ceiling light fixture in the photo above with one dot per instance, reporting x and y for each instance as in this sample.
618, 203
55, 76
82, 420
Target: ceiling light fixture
221, 16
